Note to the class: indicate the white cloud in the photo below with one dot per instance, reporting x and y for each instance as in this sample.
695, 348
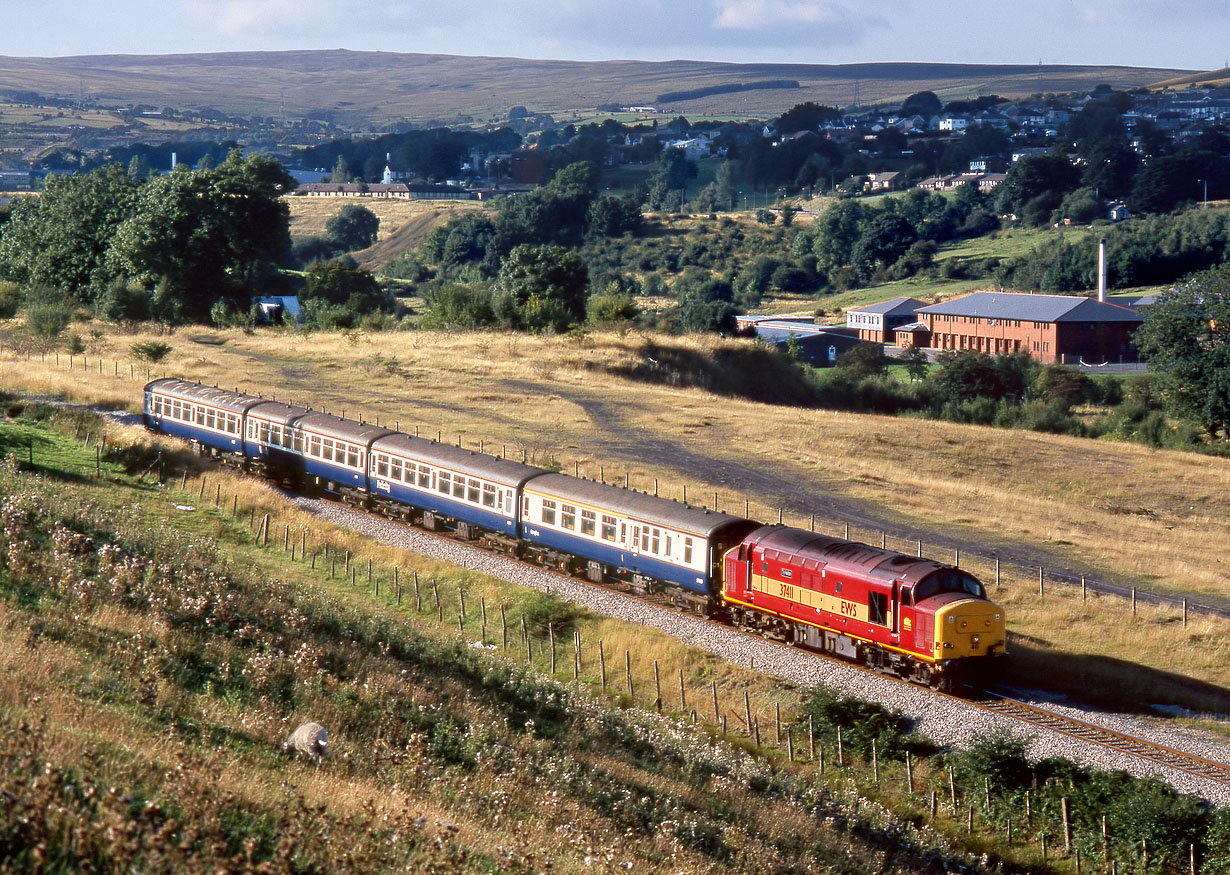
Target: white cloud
772, 14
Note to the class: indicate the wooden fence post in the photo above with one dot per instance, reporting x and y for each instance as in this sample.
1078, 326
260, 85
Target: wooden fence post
602, 663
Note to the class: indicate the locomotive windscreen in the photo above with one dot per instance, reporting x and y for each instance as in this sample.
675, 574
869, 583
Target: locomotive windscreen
948, 580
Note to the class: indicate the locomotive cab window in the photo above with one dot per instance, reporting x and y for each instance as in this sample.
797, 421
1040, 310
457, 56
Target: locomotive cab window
948, 580
877, 608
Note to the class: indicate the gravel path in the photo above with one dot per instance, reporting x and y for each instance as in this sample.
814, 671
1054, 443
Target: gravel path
946, 721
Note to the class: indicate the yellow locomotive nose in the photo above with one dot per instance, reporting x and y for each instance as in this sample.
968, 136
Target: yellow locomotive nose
969, 627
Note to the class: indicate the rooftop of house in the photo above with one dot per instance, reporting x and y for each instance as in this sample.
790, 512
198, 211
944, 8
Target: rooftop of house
893, 307
1034, 308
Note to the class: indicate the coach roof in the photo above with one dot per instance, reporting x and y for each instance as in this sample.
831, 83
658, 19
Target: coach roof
1033, 308
335, 427
647, 508
506, 472
198, 394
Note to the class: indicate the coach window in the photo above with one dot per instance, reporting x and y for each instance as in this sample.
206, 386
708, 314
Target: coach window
548, 512
588, 520
568, 516
315, 447
353, 459
395, 468
687, 551
424, 476
382, 466
656, 544
645, 539
488, 495
200, 416
472, 490
298, 441
608, 528
264, 433
275, 435
444, 482
668, 545
459, 487
210, 422
327, 452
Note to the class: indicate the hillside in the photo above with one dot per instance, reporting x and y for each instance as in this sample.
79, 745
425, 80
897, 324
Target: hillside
377, 89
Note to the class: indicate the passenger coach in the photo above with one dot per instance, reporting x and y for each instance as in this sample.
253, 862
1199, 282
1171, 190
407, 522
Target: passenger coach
449, 487
210, 417
653, 544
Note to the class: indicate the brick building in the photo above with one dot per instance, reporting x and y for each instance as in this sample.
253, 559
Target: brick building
878, 322
1051, 328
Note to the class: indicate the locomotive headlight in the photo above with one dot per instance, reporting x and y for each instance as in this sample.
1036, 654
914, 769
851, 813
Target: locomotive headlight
974, 640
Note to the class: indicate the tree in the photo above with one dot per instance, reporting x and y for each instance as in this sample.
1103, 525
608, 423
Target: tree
864, 359
724, 186
705, 303
1186, 338
924, 103
611, 216
354, 227
886, 239
60, 238
1034, 186
541, 288
916, 362
201, 235
341, 171
342, 282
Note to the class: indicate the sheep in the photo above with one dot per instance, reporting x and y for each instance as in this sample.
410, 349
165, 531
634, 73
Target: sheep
309, 739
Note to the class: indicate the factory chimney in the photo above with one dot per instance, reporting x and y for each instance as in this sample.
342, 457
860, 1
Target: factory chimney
173, 160
1102, 270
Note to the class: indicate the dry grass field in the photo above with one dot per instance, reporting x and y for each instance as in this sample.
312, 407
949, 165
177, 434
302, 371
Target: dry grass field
1155, 519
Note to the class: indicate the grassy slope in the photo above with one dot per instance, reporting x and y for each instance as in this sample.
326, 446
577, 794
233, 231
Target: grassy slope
1160, 519
154, 656
379, 88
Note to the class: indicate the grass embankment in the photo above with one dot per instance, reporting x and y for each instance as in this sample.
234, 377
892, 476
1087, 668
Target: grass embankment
156, 652
155, 655
606, 405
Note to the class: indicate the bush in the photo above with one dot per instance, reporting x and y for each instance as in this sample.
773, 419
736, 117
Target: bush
458, 306
860, 723
10, 299
124, 302
48, 313
151, 350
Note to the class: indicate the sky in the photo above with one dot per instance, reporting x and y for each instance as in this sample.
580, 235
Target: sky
1181, 34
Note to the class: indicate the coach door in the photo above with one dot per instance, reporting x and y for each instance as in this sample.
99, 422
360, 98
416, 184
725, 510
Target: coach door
636, 540
894, 620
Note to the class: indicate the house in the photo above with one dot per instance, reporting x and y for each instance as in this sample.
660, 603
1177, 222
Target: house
953, 123
883, 181
1118, 211
988, 181
384, 191
912, 334
818, 345
1050, 328
877, 322
279, 308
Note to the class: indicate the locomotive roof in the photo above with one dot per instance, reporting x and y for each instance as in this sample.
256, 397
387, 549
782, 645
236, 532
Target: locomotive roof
199, 394
836, 552
661, 511
503, 471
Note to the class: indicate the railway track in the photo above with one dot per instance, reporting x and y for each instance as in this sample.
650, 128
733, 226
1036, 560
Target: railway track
1108, 738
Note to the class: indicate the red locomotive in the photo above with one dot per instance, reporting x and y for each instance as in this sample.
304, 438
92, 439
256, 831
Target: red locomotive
916, 618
